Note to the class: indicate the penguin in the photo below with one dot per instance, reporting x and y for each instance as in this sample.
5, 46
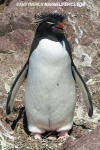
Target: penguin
51, 76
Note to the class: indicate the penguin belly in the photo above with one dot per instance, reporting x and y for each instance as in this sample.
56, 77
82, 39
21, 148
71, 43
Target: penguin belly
50, 95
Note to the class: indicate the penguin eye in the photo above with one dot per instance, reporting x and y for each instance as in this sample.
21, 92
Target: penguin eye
50, 22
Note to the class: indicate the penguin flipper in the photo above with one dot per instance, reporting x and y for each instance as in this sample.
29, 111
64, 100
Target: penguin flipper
15, 87
85, 92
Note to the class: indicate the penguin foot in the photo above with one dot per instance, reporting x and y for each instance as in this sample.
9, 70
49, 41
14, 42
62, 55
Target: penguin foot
63, 134
37, 136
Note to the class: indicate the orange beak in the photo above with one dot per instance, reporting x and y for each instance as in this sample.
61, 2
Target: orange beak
61, 24
59, 27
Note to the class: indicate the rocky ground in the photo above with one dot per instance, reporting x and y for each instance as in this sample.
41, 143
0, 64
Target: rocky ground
16, 34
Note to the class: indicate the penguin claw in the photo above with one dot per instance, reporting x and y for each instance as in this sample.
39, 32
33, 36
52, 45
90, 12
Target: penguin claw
63, 134
37, 136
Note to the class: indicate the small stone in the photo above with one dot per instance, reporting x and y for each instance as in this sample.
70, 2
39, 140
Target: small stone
52, 138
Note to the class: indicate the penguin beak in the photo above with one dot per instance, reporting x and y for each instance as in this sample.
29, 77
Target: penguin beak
60, 28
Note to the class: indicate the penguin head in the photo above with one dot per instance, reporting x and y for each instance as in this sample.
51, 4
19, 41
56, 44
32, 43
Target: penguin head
51, 24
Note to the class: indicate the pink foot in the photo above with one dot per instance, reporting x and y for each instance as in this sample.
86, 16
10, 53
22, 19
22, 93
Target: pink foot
36, 135
63, 134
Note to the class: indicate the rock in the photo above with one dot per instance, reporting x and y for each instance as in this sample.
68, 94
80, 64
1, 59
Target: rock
1, 113
81, 57
16, 40
7, 2
87, 142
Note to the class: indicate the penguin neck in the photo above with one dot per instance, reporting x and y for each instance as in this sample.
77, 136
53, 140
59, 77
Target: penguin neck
51, 36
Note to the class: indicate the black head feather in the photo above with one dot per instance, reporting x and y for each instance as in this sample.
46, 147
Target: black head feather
51, 16
48, 25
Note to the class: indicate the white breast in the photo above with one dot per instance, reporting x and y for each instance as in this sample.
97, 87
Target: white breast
50, 89
49, 52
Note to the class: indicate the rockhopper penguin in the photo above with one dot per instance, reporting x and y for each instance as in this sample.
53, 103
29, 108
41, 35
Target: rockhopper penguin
51, 74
